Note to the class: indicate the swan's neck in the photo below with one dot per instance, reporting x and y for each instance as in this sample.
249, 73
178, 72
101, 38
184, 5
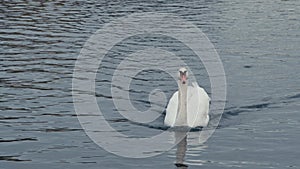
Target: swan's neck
181, 118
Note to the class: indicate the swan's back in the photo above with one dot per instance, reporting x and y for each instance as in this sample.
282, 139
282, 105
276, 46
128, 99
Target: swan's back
197, 107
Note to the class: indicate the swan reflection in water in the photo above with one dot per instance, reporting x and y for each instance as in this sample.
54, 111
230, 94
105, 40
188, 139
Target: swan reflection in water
181, 138
187, 144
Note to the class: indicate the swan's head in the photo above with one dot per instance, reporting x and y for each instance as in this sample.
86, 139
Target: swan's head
183, 75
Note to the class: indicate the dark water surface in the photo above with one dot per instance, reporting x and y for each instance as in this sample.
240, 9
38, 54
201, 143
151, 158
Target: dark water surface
258, 42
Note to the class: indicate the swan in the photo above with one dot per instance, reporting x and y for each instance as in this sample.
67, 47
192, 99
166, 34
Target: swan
189, 106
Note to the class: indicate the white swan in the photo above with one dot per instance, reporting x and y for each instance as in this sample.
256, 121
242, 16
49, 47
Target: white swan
193, 107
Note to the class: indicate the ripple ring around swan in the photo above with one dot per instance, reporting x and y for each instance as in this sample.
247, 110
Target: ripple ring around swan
94, 50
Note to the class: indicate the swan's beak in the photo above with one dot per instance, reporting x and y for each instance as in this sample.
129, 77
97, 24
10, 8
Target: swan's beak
183, 79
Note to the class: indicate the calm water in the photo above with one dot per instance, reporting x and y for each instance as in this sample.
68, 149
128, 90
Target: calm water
258, 42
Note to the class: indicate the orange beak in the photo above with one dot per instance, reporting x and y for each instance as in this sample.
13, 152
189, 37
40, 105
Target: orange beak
183, 78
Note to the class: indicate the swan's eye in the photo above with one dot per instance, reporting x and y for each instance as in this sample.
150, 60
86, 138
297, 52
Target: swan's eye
186, 74
183, 73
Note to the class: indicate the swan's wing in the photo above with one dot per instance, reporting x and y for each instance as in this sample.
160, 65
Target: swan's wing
171, 111
197, 106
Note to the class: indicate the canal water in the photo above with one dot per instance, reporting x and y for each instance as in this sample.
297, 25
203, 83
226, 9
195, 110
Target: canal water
258, 43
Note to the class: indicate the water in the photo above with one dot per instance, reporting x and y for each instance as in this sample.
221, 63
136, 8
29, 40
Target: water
257, 41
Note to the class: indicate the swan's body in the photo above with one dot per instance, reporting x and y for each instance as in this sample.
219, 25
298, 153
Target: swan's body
189, 106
